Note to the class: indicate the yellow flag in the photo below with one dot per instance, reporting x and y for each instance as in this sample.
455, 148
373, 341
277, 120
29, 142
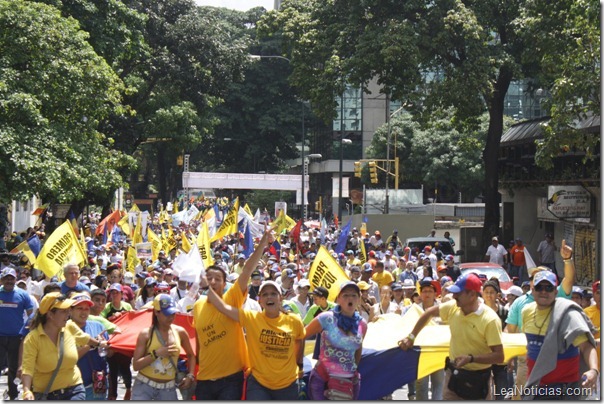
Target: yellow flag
363, 254
137, 237
156, 244
83, 241
175, 207
283, 222
185, 244
26, 250
229, 224
134, 208
61, 247
326, 272
363, 229
247, 209
132, 261
203, 244
169, 242
123, 224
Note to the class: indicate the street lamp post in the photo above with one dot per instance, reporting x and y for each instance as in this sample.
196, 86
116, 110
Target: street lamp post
387, 199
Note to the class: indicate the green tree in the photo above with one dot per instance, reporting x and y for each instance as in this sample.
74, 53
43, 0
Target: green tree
438, 152
54, 91
430, 54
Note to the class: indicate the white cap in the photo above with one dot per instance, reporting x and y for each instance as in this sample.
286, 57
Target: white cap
514, 290
303, 283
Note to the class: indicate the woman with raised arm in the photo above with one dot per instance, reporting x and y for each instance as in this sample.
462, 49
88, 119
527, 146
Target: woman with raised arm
275, 342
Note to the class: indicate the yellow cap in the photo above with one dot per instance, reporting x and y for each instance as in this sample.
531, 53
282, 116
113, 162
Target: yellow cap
54, 300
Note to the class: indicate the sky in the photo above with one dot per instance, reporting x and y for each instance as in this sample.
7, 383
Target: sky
241, 5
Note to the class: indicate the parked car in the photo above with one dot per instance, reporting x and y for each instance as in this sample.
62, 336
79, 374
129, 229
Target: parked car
489, 270
443, 244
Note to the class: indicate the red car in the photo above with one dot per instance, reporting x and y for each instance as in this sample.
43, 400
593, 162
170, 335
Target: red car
489, 270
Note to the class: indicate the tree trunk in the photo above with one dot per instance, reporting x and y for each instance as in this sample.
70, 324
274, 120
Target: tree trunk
490, 158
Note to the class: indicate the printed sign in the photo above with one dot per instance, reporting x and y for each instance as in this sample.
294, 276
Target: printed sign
568, 201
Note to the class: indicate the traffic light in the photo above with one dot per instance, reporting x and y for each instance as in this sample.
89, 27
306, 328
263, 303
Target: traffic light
373, 172
357, 169
318, 205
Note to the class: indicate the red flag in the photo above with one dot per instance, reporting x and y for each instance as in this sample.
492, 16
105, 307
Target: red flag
133, 322
110, 221
295, 233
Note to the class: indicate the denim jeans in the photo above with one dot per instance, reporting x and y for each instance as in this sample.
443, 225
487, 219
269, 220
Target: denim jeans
256, 391
9, 348
142, 391
500, 380
91, 396
317, 386
119, 364
434, 382
226, 388
76, 392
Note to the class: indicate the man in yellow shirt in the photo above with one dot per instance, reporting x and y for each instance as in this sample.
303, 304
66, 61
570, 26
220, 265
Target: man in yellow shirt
221, 350
382, 277
475, 340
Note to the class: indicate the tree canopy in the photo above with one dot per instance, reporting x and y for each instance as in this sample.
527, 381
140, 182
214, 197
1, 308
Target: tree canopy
54, 91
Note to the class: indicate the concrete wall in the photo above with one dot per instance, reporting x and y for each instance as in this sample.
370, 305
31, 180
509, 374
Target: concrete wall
407, 225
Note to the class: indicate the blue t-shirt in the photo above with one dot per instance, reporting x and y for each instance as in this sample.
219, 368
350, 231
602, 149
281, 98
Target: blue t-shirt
12, 306
79, 287
92, 360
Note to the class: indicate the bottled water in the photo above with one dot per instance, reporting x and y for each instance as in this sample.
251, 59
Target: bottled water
102, 351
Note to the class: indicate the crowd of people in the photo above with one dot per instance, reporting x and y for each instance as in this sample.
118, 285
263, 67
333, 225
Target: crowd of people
253, 316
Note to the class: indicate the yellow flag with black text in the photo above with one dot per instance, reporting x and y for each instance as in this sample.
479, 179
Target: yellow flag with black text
229, 224
326, 272
203, 244
156, 244
61, 248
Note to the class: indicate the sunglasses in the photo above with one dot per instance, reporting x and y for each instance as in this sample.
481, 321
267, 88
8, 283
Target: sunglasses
548, 288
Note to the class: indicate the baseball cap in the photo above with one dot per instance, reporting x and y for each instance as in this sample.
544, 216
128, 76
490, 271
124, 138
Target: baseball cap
492, 284
81, 298
595, 286
442, 268
372, 253
466, 282
349, 252
396, 286
377, 233
268, 283
85, 280
534, 270
303, 283
150, 282
363, 285
289, 273
115, 286
232, 277
428, 248
165, 304
449, 257
514, 290
9, 272
162, 286
367, 267
54, 300
429, 282
494, 239
578, 290
142, 275
241, 257
128, 278
545, 276
349, 284
445, 279
320, 291
408, 284
525, 283
355, 268
388, 253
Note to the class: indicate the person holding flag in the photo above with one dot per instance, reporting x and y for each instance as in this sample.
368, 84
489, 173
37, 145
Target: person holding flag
222, 353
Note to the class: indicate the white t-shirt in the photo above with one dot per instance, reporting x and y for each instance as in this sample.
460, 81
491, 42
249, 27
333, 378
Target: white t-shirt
496, 254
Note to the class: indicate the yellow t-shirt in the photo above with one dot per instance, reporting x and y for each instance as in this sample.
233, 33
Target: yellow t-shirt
593, 312
41, 356
383, 279
221, 348
161, 368
271, 345
472, 334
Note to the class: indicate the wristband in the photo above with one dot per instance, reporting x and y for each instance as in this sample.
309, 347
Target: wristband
568, 260
190, 376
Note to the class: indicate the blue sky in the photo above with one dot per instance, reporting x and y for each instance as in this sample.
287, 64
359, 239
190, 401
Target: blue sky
242, 5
